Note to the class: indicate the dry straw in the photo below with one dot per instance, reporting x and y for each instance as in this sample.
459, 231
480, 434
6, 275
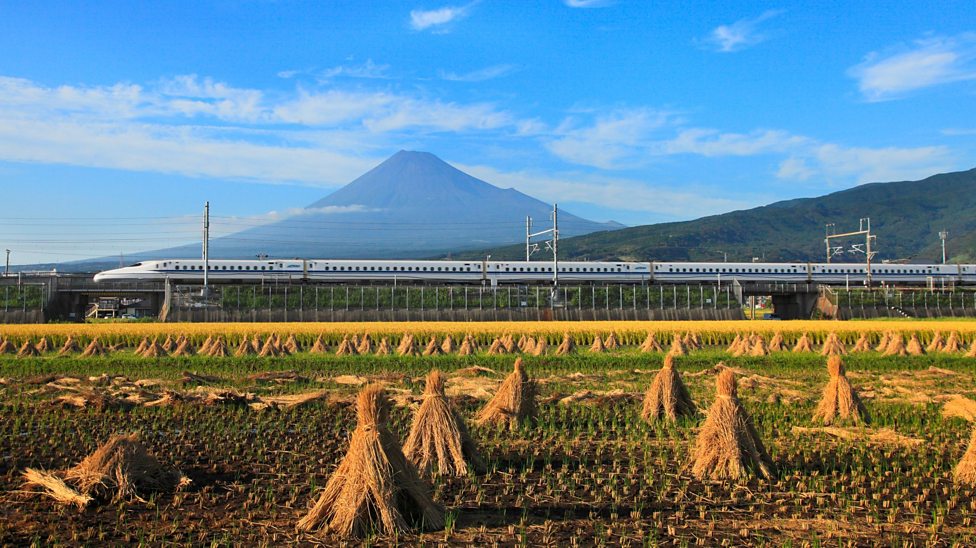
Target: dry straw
777, 343
611, 341
972, 350
497, 347
375, 487
759, 348
28, 350
833, 346
292, 345
914, 346
728, 445
668, 397
346, 348
447, 346
965, 470
407, 346
319, 346
121, 469
466, 348
884, 342
862, 344
514, 400
94, 348
566, 346
365, 345
803, 344
937, 343
169, 344
433, 348
840, 401
952, 344
895, 346
43, 345
540, 347
650, 344
439, 442
70, 345
244, 349
219, 348
155, 350
598, 345
383, 349
677, 346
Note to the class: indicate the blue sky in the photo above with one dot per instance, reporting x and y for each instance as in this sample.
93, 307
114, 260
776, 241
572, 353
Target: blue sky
118, 121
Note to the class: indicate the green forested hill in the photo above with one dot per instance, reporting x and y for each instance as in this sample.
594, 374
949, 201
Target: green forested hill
906, 216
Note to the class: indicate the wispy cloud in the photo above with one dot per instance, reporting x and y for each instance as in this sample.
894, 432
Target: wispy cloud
614, 140
438, 19
588, 3
739, 35
481, 75
369, 70
928, 62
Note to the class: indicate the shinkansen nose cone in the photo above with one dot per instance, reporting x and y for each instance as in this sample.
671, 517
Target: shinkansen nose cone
126, 273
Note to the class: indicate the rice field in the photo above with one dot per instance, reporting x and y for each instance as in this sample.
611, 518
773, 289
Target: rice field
259, 437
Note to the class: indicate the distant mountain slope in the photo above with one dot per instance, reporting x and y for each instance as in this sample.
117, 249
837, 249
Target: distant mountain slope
412, 205
906, 216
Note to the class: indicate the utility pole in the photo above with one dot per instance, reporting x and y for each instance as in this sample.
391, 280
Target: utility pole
555, 247
206, 249
864, 229
943, 234
528, 234
827, 228
6, 270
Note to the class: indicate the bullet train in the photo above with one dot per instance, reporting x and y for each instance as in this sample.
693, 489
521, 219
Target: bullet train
524, 272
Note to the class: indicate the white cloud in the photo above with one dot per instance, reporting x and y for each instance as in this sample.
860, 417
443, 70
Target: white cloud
739, 35
438, 19
614, 140
711, 142
672, 199
368, 70
794, 168
588, 3
481, 75
958, 132
926, 63
868, 165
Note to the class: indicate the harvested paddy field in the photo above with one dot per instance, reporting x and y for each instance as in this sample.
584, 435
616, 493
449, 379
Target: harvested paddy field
254, 439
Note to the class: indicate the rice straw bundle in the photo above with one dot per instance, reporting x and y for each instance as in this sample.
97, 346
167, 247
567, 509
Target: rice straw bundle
120, 469
611, 341
862, 344
497, 347
153, 350
833, 346
355, 341
432, 349
509, 344
204, 349
169, 344
840, 401
597, 345
319, 347
914, 346
972, 350
728, 445
465, 349
896, 346
94, 348
383, 349
28, 350
365, 345
43, 345
759, 348
439, 442
447, 346
567, 346
540, 347
521, 343
184, 348
244, 348
219, 348
529, 346
677, 346
937, 344
667, 397
375, 487
514, 400
734, 345
777, 343
257, 344
292, 345
407, 346
268, 350
650, 344
952, 344
689, 341
70, 345
803, 344
884, 342
346, 347
965, 471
